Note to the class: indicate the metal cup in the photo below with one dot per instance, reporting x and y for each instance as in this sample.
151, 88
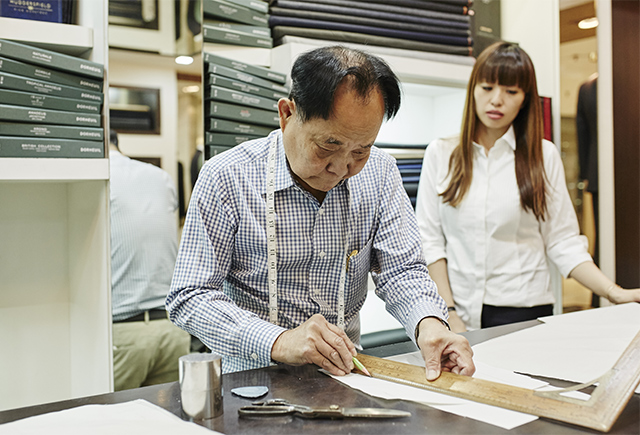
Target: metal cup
201, 385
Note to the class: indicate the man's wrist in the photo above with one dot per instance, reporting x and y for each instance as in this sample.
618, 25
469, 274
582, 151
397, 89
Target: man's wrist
417, 331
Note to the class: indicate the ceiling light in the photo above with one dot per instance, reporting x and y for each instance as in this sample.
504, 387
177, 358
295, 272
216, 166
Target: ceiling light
184, 60
588, 23
191, 89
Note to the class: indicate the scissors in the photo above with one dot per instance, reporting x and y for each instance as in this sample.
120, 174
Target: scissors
279, 407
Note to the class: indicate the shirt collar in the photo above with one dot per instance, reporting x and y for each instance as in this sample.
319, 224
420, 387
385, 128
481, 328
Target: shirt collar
116, 154
509, 138
283, 174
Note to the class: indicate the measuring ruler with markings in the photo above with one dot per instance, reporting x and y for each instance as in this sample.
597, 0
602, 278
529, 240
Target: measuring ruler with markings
599, 412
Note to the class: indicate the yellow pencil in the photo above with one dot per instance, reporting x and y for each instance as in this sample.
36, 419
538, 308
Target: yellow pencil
360, 367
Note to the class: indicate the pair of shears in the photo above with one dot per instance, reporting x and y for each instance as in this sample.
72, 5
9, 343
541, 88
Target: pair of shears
279, 407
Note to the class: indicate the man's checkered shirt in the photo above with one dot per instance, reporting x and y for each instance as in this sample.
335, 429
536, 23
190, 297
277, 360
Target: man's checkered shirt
219, 291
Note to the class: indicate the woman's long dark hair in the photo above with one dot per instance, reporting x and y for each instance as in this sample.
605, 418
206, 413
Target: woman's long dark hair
508, 65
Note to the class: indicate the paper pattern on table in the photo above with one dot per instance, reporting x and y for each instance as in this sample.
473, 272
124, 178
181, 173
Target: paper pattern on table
577, 347
128, 418
496, 416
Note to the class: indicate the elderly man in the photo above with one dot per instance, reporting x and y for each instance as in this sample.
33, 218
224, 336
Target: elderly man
282, 232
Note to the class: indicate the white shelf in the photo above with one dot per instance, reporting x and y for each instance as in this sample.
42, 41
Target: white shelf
409, 66
405, 153
55, 295
64, 38
34, 169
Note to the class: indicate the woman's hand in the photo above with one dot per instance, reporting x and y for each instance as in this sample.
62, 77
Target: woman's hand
456, 323
619, 295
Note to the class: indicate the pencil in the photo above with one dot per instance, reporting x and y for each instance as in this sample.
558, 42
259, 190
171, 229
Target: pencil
360, 367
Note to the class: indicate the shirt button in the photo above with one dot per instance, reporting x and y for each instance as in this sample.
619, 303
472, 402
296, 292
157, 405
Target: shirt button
321, 211
321, 254
254, 356
316, 291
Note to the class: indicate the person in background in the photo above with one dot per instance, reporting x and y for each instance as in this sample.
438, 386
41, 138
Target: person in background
144, 244
282, 232
196, 164
493, 204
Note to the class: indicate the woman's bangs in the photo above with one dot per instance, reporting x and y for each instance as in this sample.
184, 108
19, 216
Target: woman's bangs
505, 71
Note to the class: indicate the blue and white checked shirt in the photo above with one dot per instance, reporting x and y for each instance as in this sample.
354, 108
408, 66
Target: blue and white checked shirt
144, 235
219, 291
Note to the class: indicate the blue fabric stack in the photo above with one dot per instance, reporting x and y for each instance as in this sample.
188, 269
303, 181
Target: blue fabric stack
439, 26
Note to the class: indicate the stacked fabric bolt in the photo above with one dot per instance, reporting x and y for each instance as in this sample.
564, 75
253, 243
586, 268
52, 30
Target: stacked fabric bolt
439, 26
241, 102
51, 103
236, 22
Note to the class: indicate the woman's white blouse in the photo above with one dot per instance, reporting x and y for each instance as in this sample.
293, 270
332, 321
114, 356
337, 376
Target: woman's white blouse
496, 252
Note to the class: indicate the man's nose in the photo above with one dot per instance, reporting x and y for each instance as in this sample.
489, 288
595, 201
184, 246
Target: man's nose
340, 166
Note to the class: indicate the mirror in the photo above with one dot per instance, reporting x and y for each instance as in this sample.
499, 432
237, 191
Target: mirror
134, 110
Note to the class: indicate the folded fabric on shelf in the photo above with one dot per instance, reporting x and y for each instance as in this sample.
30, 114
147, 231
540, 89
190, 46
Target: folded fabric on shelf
360, 38
451, 6
394, 21
384, 7
351, 8
275, 21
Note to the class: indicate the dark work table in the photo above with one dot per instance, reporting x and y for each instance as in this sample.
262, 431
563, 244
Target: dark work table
305, 385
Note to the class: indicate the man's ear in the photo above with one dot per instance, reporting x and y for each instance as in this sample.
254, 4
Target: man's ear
286, 111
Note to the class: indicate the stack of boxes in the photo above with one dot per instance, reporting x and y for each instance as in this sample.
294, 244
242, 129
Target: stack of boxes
241, 102
50, 104
237, 22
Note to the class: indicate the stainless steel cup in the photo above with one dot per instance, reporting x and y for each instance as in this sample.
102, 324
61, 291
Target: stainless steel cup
201, 385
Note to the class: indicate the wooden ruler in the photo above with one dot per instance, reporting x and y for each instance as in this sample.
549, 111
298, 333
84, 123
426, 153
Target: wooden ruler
607, 401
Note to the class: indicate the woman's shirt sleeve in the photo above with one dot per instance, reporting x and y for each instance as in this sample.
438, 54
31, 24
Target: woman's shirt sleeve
434, 168
565, 246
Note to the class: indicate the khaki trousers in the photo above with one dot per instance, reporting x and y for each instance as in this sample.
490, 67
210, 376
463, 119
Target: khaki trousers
147, 353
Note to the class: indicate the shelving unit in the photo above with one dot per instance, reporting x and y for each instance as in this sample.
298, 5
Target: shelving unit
55, 307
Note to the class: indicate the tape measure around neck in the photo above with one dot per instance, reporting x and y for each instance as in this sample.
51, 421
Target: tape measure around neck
272, 258
271, 233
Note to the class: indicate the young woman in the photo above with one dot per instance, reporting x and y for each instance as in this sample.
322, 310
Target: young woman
493, 205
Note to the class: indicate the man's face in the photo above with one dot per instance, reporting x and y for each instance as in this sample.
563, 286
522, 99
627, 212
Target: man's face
321, 153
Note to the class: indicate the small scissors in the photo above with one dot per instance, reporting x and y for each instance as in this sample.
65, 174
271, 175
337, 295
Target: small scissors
279, 407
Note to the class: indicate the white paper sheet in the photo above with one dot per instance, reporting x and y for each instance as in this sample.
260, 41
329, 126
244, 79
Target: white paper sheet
137, 417
577, 347
501, 417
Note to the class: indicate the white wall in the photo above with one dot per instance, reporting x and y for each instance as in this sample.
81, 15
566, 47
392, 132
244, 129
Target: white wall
535, 25
426, 113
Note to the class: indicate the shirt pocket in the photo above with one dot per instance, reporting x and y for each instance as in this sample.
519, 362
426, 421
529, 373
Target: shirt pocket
357, 276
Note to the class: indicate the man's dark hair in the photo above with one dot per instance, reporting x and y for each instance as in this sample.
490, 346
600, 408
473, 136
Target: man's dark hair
316, 75
113, 137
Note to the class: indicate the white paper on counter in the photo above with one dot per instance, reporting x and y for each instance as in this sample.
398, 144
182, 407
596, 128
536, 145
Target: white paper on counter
496, 416
577, 347
137, 417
